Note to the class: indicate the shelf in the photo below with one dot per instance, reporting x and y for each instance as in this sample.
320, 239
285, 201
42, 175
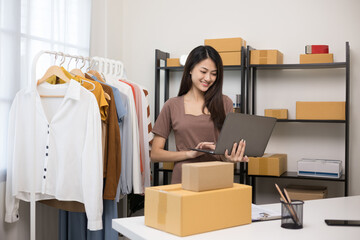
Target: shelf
233, 67
300, 66
294, 175
311, 121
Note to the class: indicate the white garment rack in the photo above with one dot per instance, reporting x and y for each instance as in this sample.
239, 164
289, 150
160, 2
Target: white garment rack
107, 66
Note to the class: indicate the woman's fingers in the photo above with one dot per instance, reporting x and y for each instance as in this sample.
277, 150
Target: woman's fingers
241, 149
237, 152
206, 145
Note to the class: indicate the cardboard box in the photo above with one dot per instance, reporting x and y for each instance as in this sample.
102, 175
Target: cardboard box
174, 210
320, 110
204, 176
173, 62
298, 192
168, 165
316, 58
226, 44
268, 165
277, 113
230, 58
266, 57
319, 168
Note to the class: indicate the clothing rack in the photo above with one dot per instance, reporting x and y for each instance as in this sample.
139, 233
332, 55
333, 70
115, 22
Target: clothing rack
105, 65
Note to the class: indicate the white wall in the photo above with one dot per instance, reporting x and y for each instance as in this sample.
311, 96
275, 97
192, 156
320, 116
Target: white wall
179, 26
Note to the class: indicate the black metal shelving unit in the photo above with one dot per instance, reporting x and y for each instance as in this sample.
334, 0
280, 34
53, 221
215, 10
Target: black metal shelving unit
251, 83
160, 57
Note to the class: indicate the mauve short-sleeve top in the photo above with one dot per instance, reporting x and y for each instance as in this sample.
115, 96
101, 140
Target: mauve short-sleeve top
189, 130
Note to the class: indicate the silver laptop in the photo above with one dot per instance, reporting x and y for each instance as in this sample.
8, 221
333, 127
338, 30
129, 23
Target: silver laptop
255, 130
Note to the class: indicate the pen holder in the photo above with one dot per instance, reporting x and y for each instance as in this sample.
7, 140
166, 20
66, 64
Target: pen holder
292, 214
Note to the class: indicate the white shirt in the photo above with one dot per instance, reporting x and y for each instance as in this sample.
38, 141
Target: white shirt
56, 144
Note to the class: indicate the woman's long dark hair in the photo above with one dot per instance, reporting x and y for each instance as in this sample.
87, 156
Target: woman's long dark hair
213, 96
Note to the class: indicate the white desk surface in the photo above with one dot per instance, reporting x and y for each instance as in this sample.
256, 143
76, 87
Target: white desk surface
314, 227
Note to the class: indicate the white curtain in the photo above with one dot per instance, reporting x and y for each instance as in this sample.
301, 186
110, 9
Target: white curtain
26, 27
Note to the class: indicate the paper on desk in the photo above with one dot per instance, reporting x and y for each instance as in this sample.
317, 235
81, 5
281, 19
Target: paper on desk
259, 213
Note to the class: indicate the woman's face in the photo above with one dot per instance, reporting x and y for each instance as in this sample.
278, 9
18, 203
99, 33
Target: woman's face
204, 74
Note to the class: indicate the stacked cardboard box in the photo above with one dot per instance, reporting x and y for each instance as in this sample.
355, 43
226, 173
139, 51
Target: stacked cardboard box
228, 48
276, 113
316, 54
268, 165
173, 62
266, 57
298, 192
320, 110
215, 202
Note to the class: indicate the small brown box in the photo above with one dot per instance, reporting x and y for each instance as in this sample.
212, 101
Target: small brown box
230, 58
316, 58
168, 165
320, 110
266, 57
277, 113
269, 165
173, 62
204, 176
226, 44
298, 192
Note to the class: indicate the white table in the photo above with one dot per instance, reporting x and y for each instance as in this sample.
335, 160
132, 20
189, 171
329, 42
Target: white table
314, 227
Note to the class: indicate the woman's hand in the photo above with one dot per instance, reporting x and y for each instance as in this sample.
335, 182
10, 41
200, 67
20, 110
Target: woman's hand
237, 153
202, 145
206, 145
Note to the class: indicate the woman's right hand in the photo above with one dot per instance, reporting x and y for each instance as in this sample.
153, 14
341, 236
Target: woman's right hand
203, 145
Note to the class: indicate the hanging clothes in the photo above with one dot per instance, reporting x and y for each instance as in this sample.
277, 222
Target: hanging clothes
63, 148
133, 164
71, 224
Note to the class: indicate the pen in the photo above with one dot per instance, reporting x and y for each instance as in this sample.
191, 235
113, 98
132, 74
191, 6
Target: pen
288, 206
292, 207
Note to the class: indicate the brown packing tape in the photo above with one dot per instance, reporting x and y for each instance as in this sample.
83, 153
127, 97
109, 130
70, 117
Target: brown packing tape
263, 54
264, 168
162, 208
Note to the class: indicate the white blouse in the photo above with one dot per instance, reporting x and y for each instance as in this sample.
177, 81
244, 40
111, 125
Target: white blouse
56, 144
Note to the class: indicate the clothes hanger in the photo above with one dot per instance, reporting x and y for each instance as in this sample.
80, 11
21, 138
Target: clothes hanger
78, 71
54, 71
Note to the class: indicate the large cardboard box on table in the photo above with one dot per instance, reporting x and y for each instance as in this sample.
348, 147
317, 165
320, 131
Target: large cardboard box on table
298, 192
316, 58
269, 165
181, 212
203, 176
320, 110
266, 57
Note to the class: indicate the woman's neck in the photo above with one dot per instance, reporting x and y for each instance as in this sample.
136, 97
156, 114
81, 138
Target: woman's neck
195, 95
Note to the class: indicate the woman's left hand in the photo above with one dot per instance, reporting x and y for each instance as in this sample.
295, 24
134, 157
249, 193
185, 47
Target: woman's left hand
237, 153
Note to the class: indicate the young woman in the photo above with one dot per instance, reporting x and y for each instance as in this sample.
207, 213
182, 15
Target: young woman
196, 115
